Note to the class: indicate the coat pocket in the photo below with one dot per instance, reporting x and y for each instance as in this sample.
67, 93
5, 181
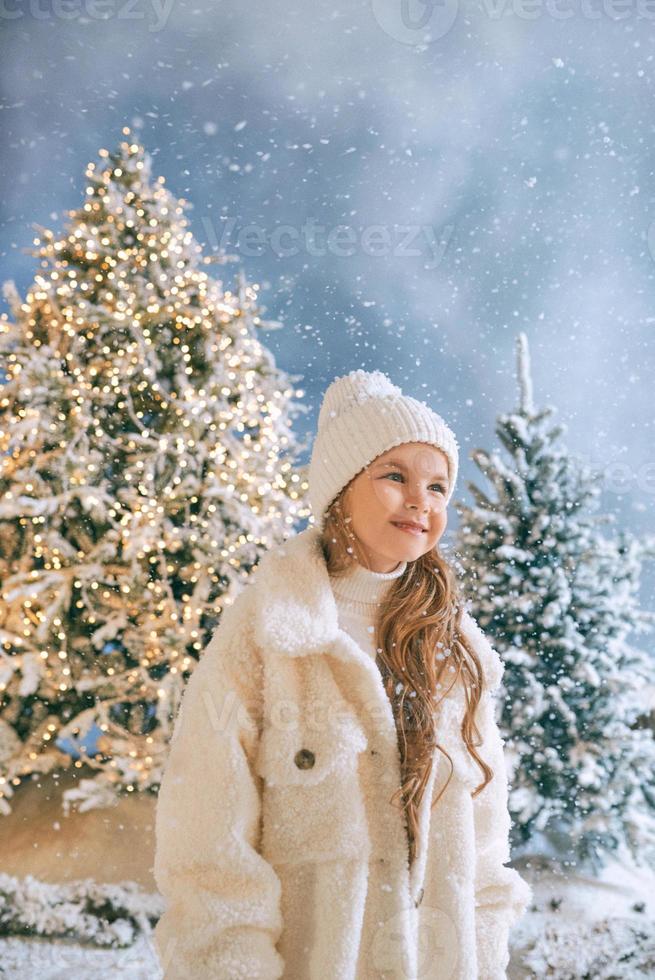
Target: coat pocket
312, 802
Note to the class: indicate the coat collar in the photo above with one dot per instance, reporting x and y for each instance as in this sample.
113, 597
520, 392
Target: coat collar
297, 613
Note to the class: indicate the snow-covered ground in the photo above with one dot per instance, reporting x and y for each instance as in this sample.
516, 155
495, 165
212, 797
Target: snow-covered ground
580, 928
568, 949
586, 928
29, 959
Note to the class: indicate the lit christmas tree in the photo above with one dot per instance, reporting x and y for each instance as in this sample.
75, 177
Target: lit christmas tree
147, 461
560, 601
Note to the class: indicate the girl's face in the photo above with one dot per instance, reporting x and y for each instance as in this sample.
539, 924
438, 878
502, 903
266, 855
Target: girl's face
407, 483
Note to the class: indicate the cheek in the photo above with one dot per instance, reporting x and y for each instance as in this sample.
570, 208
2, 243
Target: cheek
439, 520
386, 493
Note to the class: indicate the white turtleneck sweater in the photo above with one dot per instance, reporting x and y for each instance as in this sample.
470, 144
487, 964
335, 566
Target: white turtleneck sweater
358, 594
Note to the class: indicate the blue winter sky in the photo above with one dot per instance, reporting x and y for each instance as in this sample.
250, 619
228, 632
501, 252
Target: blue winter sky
492, 165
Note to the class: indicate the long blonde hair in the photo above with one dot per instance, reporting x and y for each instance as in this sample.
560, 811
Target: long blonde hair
421, 615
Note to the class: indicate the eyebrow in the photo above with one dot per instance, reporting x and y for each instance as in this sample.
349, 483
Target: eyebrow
396, 462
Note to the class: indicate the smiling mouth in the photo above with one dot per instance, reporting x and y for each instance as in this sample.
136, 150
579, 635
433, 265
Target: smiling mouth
410, 528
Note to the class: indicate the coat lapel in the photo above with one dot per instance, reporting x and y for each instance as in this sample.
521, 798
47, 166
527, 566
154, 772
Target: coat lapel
297, 616
297, 613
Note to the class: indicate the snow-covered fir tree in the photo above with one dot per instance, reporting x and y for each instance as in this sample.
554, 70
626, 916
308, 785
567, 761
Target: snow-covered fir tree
559, 598
146, 462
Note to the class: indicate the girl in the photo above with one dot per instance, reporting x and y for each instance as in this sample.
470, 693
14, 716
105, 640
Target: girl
334, 804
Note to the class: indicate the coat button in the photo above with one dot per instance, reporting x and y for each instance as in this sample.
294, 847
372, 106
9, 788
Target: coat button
420, 898
304, 759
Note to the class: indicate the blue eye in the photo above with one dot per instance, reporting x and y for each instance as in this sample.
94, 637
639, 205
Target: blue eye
439, 486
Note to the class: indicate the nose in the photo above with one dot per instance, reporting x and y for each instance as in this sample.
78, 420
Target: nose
417, 499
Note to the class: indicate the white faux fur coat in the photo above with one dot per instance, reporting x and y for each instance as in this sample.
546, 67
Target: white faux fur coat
277, 850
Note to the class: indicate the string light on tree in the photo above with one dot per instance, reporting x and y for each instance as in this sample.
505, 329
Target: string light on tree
148, 460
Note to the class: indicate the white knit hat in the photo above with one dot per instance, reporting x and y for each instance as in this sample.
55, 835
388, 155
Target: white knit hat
363, 415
